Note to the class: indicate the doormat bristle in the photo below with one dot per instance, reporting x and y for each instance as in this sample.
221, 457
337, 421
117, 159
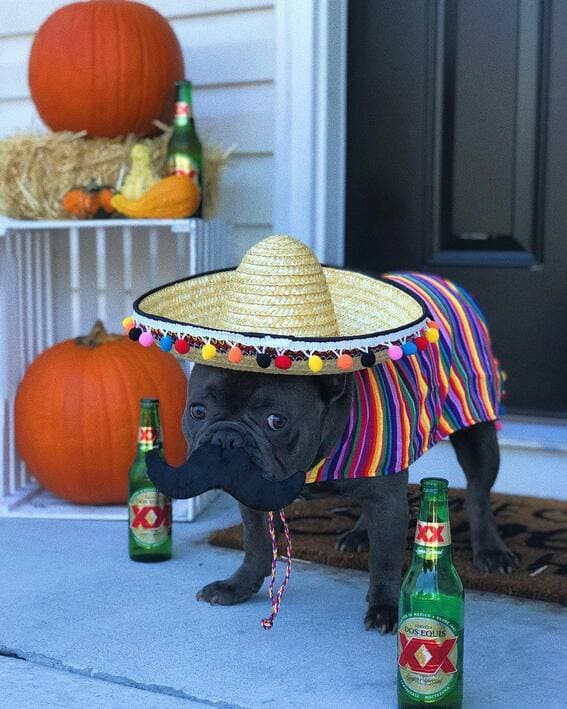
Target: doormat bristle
535, 529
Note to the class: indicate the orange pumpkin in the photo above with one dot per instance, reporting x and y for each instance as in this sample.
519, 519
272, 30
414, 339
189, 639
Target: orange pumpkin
105, 66
77, 410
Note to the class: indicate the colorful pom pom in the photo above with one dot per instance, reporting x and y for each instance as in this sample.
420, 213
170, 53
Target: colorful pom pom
128, 322
283, 362
181, 346
344, 362
208, 352
433, 324
421, 343
409, 348
134, 333
315, 363
146, 339
432, 335
234, 355
368, 359
498, 425
395, 352
166, 343
263, 360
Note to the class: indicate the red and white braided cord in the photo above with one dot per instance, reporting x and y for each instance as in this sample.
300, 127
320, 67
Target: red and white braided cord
267, 623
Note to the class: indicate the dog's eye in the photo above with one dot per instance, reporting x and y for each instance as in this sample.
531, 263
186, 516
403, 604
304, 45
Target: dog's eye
198, 411
275, 421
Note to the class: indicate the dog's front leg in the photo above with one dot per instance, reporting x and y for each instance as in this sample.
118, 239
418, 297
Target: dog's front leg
257, 564
386, 513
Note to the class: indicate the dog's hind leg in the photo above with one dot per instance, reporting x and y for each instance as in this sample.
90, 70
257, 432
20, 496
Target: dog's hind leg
479, 456
257, 564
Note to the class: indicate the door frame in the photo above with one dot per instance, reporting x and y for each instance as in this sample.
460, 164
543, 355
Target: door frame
310, 120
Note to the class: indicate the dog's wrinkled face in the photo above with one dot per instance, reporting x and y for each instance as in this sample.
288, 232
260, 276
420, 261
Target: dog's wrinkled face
284, 423
255, 435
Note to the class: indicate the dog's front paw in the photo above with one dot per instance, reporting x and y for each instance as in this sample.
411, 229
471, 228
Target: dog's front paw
226, 593
498, 558
353, 540
383, 617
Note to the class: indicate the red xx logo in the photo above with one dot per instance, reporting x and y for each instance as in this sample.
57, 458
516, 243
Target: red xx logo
160, 516
430, 533
147, 434
426, 656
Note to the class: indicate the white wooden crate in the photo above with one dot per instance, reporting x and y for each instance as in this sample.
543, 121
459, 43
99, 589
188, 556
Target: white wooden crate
56, 279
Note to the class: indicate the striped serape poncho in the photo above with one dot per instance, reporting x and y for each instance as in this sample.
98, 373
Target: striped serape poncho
402, 408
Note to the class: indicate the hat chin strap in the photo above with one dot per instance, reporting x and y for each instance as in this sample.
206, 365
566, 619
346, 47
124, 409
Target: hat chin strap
212, 467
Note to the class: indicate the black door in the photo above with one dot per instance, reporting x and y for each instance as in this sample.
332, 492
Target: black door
457, 165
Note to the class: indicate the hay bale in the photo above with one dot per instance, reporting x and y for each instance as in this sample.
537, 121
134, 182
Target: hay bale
36, 170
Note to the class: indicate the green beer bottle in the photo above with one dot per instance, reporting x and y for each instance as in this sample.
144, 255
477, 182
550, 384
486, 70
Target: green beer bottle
431, 614
149, 511
184, 150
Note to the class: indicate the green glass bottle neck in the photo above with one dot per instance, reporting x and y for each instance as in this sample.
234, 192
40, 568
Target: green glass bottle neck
433, 529
149, 429
183, 105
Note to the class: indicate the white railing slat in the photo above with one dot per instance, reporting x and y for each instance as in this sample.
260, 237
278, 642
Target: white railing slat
153, 258
101, 279
29, 298
127, 268
49, 330
39, 289
75, 280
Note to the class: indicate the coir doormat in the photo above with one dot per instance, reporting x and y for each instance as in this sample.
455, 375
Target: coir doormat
535, 529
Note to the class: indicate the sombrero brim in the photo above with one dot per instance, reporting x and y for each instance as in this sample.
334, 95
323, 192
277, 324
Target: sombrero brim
377, 320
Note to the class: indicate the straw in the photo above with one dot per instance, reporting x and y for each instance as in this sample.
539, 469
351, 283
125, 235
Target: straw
36, 170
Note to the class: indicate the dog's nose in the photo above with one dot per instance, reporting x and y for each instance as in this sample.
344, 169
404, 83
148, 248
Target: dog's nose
227, 439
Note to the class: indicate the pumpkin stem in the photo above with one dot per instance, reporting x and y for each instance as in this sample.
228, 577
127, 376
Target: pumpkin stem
97, 336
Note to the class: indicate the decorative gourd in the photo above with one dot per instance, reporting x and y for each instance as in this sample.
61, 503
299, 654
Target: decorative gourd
79, 202
140, 178
172, 197
105, 66
77, 409
94, 200
105, 195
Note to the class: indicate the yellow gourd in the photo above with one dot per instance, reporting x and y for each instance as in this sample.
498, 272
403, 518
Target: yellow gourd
140, 178
172, 197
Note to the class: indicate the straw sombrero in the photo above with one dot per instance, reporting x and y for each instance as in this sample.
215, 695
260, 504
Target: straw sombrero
281, 312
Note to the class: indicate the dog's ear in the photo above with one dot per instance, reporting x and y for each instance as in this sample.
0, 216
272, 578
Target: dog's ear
336, 392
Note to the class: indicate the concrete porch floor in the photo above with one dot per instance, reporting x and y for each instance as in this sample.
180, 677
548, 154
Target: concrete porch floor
99, 630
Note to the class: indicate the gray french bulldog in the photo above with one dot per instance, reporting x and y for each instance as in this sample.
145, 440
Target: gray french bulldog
255, 435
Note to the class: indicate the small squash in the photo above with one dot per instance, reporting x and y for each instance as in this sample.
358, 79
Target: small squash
141, 177
172, 197
105, 195
94, 200
79, 203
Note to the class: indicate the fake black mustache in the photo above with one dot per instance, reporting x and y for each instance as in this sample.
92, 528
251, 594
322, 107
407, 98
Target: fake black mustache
212, 467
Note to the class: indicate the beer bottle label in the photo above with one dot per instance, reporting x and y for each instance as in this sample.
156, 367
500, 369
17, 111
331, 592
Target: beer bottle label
150, 517
433, 534
182, 113
148, 436
427, 655
181, 164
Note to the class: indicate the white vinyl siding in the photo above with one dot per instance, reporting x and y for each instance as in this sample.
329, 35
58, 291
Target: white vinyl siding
229, 52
